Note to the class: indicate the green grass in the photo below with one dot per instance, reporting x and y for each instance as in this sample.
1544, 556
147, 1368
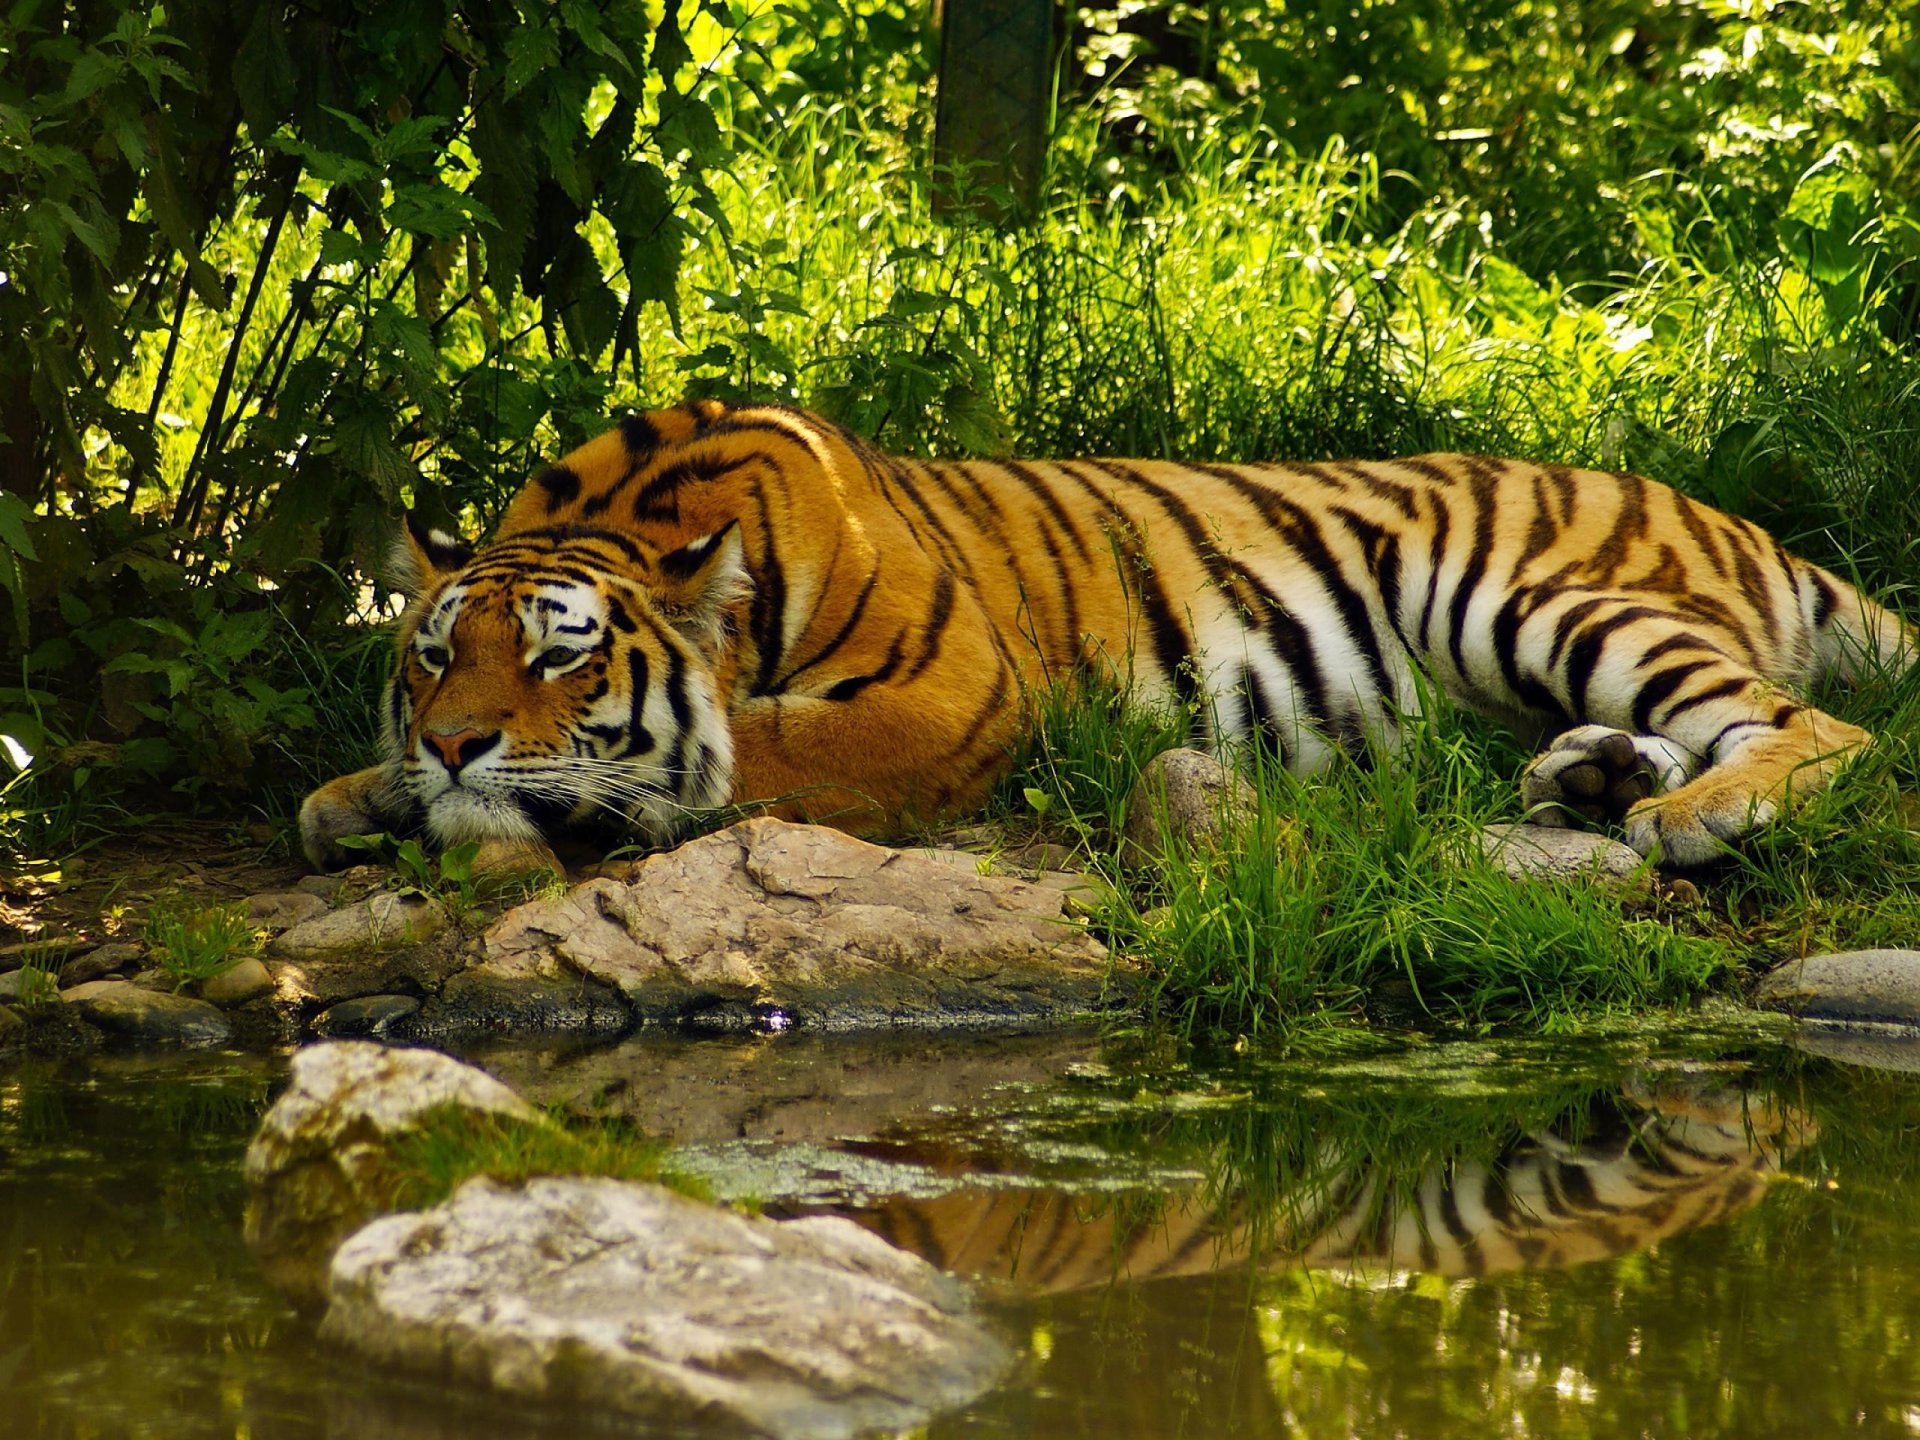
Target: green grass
451, 1145
1358, 890
190, 945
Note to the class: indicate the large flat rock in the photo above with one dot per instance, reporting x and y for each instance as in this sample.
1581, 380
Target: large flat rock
1852, 985
772, 923
631, 1299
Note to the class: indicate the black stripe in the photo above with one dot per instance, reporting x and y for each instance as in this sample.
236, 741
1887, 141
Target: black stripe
827, 651
681, 706
1437, 553
1304, 534
640, 435
851, 686
936, 623
1043, 492
1654, 691
1724, 690
639, 739
562, 484
1482, 490
1532, 692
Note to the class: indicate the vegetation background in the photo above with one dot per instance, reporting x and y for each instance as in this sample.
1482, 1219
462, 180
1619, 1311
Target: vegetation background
271, 272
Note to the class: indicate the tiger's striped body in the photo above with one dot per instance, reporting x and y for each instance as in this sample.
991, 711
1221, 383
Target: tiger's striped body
770, 611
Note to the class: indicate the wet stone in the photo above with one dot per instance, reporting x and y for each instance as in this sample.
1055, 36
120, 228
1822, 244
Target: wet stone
1545, 852
369, 1016
283, 909
633, 1300
484, 1001
1862, 1044
1852, 985
137, 1013
100, 962
248, 980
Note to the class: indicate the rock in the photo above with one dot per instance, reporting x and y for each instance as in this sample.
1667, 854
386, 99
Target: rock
1545, 852
100, 962
13, 1025
137, 1013
1854, 985
318, 1168
278, 910
372, 947
627, 1298
768, 918
1186, 793
324, 887
487, 1001
378, 922
371, 1015
236, 985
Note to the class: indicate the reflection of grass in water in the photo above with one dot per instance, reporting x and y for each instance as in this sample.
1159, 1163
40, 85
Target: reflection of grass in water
123, 1261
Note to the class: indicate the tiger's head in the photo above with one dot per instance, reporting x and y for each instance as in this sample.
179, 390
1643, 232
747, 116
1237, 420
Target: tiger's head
560, 679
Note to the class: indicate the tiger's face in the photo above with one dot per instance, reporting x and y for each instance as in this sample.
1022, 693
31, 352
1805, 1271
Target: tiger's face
561, 681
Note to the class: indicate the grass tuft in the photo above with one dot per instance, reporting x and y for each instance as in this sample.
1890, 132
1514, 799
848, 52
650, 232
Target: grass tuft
451, 1145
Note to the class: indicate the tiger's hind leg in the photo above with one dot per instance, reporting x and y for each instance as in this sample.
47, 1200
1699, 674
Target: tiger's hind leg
1724, 746
1763, 768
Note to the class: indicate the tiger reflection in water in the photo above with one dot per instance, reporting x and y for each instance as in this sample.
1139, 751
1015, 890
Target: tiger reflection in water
1677, 1156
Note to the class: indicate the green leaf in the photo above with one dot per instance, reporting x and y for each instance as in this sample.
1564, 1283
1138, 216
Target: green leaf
263, 71
436, 211
363, 440
530, 49
14, 515
506, 185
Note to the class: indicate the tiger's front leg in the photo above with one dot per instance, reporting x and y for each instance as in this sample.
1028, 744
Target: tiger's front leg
358, 804
881, 763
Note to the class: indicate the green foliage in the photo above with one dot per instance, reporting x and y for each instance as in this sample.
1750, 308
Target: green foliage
451, 1145
447, 876
192, 944
264, 267
1361, 888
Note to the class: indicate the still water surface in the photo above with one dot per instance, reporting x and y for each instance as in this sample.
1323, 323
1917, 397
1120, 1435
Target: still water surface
1688, 1236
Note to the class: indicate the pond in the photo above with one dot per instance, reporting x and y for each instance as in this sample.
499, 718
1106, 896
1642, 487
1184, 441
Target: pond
1700, 1233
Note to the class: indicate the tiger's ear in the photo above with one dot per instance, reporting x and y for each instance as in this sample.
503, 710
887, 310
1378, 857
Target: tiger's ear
424, 554
702, 580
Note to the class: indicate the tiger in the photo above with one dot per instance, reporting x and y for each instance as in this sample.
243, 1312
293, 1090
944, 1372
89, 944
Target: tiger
748, 605
1653, 1161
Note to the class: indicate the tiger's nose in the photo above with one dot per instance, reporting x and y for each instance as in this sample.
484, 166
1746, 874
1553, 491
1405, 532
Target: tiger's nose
461, 748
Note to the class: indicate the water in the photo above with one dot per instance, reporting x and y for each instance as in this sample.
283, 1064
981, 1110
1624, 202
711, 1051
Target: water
1674, 1235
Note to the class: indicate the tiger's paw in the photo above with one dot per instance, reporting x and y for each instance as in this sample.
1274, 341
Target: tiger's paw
1600, 774
356, 804
1695, 824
